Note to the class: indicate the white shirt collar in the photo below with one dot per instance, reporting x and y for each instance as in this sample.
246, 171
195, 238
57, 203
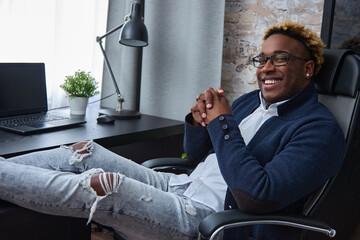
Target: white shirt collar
263, 103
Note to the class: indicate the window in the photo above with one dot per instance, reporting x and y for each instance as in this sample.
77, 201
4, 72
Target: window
60, 33
346, 25
341, 24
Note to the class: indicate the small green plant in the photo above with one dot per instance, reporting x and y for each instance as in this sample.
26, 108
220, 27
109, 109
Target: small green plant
81, 84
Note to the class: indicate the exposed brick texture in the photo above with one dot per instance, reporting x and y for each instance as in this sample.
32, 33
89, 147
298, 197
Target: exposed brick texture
245, 22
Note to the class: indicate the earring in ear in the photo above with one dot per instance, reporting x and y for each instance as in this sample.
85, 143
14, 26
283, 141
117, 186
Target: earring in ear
307, 74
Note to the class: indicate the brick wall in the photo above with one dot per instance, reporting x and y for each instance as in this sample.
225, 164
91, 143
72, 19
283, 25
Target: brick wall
245, 22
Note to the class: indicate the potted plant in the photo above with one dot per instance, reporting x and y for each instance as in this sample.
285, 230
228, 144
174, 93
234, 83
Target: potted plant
79, 87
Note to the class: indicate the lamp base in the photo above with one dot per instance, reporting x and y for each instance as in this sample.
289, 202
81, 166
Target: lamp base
123, 114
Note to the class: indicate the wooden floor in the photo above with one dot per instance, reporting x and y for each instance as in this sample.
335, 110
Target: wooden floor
101, 236
98, 233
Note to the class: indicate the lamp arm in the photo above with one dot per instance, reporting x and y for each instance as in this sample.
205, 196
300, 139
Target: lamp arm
120, 98
99, 38
109, 67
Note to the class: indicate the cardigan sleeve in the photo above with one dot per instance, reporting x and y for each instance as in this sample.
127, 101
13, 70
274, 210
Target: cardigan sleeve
197, 143
288, 161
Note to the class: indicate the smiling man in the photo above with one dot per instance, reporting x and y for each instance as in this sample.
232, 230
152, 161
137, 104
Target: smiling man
278, 80
275, 146
270, 150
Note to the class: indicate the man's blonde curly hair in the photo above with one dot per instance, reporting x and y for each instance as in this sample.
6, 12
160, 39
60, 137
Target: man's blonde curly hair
297, 31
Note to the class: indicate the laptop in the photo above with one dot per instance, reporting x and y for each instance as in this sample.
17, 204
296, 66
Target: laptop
23, 100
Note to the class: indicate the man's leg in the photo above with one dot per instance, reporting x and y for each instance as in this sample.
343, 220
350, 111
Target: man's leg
145, 212
86, 155
134, 209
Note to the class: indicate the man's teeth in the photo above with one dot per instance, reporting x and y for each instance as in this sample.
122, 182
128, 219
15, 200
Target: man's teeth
268, 81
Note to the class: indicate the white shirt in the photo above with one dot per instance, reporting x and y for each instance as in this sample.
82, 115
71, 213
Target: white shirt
252, 123
207, 185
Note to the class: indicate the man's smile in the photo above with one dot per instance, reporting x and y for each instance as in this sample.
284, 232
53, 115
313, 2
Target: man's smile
271, 81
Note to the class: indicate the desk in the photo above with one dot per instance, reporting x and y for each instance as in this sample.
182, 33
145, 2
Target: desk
122, 132
20, 223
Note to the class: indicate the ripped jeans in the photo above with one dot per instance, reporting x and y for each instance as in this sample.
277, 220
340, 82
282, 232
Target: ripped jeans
140, 203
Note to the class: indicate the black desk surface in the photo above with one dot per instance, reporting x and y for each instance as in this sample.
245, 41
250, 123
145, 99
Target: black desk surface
120, 133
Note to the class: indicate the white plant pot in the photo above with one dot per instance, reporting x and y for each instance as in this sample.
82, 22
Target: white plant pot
78, 105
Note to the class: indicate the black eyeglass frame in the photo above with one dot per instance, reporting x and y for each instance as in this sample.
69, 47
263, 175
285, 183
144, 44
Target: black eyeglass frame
272, 62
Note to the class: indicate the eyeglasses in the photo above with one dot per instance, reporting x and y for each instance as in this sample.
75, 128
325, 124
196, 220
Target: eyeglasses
278, 59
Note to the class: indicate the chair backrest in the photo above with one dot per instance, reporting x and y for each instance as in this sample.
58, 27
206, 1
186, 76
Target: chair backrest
338, 85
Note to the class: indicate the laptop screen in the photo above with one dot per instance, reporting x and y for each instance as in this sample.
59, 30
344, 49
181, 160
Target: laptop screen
22, 88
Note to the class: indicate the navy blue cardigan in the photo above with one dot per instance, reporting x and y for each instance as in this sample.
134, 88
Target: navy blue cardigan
289, 157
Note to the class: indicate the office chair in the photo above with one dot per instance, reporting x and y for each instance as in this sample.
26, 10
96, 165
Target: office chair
338, 88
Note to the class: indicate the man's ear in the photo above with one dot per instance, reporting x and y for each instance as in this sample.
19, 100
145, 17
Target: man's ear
309, 69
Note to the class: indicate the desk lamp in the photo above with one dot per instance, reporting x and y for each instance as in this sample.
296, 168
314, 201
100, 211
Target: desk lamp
133, 34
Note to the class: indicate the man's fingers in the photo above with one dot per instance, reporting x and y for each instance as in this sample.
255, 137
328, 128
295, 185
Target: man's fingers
220, 91
205, 101
199, 120
198, 114
200, 103
200, 97
210, 96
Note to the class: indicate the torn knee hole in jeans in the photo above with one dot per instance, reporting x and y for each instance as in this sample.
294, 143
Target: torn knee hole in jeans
101, 184
80, 151
106, 183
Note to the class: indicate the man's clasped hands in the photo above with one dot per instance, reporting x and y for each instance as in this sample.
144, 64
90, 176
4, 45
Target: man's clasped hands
209, 105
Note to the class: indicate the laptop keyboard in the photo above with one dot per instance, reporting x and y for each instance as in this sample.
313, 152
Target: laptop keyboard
29, 120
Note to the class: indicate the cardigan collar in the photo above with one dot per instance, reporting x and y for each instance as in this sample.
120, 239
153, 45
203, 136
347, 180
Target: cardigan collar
290, 109
299, 103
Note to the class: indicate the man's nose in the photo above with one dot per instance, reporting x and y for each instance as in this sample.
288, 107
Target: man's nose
268, 66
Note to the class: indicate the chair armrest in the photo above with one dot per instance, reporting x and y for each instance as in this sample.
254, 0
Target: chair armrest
169, 163
217, 222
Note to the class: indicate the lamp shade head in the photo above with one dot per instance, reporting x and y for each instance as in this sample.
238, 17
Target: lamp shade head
134, 32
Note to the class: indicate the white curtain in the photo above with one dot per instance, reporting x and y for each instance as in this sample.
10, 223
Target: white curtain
184, 56
60, 33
